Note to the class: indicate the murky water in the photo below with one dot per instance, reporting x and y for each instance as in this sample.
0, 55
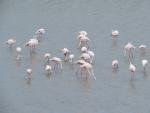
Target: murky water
64, 92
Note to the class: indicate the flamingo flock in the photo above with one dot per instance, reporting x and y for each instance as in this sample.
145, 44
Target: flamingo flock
129, 54
84, 60
54, 63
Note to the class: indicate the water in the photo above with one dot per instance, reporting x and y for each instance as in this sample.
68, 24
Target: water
64, 92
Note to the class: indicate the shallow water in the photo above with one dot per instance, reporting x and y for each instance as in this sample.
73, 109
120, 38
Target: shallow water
64, 92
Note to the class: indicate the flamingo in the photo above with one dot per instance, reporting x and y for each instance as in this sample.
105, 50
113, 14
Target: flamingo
71, 58
29, 72
83, 33
132, 69
86, 57
144, 64
57, 61
128, 49
84, 49
11, 42
83, 41
114, 33
48, 69
142, 48
47, 56
18, 51
66, 53
115, 64
85, 66
39, 33
32, 43
89, 52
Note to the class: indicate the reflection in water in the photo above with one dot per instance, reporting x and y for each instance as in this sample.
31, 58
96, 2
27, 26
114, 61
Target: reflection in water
132, 87
145, 75
28, 81
18, 63
114, 45
85, 85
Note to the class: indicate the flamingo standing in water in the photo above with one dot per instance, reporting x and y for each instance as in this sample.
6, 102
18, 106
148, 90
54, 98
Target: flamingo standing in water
86, 57
115, 64
128, 50
89, 52
71, 58
132, 69
83, 41
57, 62
18, 51
142, 49
114, 33
47, 56
29, 72
144, 64
32, 43
66, 53
39, 34
48, 69
87, 67
83, 33
11, 42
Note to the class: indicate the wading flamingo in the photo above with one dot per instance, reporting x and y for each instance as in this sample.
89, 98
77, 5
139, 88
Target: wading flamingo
66, 53
57, 62
11, 42
132, 70
128, 50
144, 64
115, 64
18, 51
39, 34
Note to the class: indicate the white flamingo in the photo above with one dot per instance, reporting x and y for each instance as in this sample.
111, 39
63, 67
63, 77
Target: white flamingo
18, 51
142, 49
32, 43
86, 57
71, 58
115, 64
39, 33
57, 62
132, 69
128, 50
48, 69
11, 42
91, 53
29, 72
144, 64
87, 67
114, 33
47, 57
83, 41
83, 33
66, 53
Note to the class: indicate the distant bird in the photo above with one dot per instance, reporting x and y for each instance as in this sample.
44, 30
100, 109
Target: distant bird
11, 42
29, 72
132, 69
57, 62
66, 53
86, 57
47, 57
87, 67
48, 69
39, 34
18, 51
83, 41
144, 64
142, 49
114, 33
71, 58
83, 33
128, 50
91, 53
115, 64
84, 49
32, 43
